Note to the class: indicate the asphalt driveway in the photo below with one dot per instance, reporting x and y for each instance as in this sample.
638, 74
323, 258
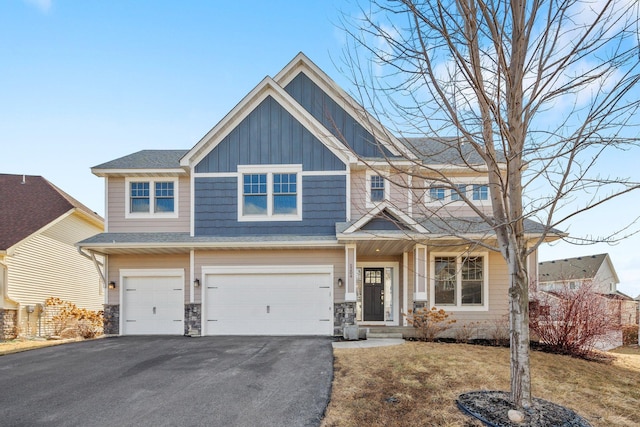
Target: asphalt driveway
169, 381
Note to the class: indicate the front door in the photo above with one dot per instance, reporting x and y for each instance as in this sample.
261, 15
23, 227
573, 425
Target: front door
373, 294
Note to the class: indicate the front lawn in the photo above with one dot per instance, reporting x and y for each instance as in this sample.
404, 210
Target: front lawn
417, 384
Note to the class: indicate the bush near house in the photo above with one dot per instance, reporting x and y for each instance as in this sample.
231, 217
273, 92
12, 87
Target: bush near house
630, 334
68, 319
430, 324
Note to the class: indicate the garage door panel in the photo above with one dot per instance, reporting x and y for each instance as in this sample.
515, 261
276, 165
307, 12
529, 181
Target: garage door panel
153, 305
269, 304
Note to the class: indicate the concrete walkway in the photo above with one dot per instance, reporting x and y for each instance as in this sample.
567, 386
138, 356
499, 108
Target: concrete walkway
376, 342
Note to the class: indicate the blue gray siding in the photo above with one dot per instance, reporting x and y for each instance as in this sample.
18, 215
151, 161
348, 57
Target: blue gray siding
269, 135
342, 125
216, 209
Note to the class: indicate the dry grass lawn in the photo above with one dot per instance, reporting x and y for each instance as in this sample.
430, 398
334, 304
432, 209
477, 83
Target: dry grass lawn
23, 344
417, 384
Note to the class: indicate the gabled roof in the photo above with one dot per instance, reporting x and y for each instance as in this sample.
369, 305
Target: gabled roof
267, 87
401, 221
579, 268
143, 160
28, 203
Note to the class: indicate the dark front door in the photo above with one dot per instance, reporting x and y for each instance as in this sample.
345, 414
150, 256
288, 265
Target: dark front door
373, 294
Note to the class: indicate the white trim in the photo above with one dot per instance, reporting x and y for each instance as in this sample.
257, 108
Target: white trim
269, 171
139, 172
192, 206
406, 219
348, 195
410, 195
152, 195
350, 269
106, 205
420, 265
145, 272
258, 269
267, 87
192, 276
458, 306
396, 291
405, 286
387, 187
468, 181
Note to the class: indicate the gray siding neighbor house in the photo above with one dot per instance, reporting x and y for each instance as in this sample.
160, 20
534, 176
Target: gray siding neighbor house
293, 215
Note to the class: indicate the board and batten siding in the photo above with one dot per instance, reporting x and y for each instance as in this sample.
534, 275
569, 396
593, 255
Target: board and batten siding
116, 209
266, 257
216, 208
341, 124
269, 135
146, 262
49, 265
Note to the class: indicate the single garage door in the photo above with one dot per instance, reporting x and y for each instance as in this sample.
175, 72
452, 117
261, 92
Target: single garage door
153, 305
271, 302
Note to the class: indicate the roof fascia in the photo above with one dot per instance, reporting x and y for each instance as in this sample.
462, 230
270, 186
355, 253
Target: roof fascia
133, 172
406, 219
265, 88
301, 63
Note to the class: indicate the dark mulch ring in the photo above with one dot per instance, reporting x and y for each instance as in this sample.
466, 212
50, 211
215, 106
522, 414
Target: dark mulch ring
492, 407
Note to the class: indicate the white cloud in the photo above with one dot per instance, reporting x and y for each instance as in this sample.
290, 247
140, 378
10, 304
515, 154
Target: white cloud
42, 5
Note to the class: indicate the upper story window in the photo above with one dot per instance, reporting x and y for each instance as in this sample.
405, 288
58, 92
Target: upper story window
480, 192
377, 188
460, 282
272, 195
151, 198
437, 193
458, 192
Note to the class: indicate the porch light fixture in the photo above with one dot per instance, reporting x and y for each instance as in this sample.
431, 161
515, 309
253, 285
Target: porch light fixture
112, 285
196, 283
340, 283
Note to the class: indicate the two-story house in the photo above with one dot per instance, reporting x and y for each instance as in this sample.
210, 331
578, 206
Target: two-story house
295, 214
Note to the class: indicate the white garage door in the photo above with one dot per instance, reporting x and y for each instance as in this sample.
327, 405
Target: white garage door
269, 303
153, 305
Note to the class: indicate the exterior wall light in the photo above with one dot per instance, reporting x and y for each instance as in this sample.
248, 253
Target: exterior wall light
196, 283
340, 282
112, 285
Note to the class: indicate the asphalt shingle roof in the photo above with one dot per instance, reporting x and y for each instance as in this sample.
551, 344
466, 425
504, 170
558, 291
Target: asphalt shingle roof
28, 203
584, 267
442, 151
146, 159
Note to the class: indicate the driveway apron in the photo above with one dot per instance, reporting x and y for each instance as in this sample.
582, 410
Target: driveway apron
169, 381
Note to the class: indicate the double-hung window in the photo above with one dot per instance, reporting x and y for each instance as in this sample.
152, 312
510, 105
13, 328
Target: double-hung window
377, 188
459, 282
151, 198
480, 192
437, 193
269, 195
457, 192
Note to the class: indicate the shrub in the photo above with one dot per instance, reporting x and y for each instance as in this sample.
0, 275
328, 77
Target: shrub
68, 317
429, 323
571, 321
466, 332
630, 334
498, 331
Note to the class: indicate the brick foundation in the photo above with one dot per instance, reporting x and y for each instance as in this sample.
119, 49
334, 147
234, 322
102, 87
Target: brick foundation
8, 324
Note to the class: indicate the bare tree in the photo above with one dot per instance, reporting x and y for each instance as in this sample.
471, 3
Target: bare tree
538, 91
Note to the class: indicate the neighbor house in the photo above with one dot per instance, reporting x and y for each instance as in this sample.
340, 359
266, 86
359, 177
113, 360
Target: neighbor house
39, 227
295, 214
595, 271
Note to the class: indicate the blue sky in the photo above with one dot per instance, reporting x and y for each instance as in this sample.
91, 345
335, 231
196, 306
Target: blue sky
85, 82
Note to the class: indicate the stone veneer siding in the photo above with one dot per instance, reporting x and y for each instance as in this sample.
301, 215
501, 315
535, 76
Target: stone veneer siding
8, 324
344, 313
192, 319
111, 319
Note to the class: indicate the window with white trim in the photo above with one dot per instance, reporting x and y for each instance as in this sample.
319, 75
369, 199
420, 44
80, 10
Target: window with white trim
377, 188
151, 198
437, 193
458, 192
269, 195
459, 281
480, 192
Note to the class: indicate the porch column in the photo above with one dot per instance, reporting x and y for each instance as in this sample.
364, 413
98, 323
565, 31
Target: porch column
350, 271
420, 269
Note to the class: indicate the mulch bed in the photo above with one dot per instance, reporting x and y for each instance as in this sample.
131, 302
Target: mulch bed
491, 407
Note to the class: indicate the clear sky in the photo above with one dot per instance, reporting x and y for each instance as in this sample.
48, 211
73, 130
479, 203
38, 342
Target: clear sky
85, 82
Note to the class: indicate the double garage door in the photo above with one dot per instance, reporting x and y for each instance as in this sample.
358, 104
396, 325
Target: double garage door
235, 301
268, 301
